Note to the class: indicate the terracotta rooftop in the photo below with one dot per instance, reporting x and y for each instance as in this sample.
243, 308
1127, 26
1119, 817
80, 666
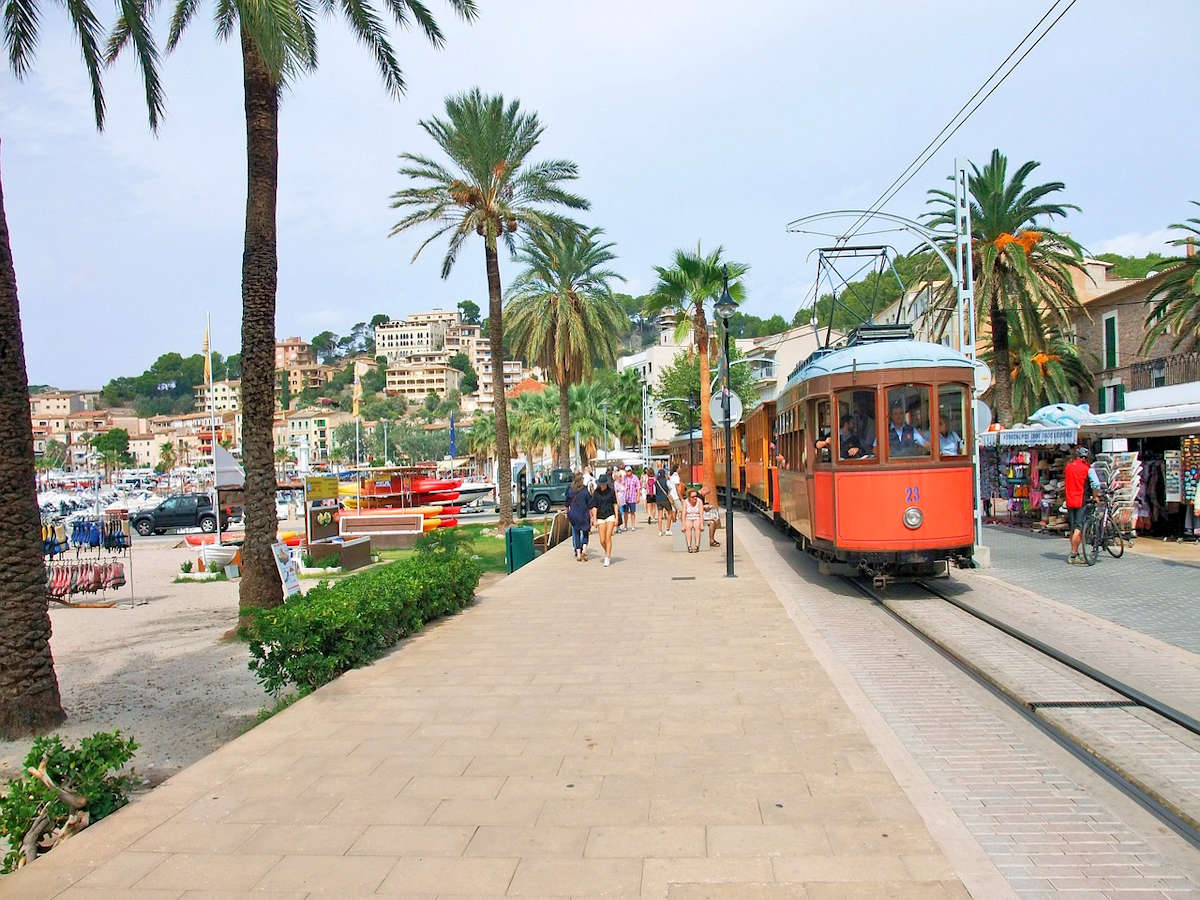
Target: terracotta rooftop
526, 386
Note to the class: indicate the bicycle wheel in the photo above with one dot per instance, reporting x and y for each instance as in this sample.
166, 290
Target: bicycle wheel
1114, 543
1090, 547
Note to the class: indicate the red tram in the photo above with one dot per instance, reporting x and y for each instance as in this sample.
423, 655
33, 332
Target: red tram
874, 468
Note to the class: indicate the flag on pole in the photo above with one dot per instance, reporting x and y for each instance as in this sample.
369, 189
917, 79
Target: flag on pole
357, 395
452, 441
207, 358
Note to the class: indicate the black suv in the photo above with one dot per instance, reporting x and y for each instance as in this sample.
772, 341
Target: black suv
179, 511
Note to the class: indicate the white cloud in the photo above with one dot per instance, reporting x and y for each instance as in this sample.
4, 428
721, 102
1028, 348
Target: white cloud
1139, 244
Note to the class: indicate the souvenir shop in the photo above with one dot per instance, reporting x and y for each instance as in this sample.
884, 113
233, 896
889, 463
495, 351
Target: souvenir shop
1153, 478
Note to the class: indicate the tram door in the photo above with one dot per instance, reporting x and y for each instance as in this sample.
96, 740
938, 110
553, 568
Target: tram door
822, 502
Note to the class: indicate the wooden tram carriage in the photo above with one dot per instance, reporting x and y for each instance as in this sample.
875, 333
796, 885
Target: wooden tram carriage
865, 455
891, 491
684, 449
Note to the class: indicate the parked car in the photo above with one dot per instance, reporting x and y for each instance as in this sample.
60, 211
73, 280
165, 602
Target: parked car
544, 494
179, 511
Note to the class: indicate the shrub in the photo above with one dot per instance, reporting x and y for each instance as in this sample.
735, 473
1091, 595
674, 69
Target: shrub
186, 566
87, 770
332, 561
334, 627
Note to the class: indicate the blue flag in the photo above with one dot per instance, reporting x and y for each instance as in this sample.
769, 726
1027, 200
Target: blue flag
452, 442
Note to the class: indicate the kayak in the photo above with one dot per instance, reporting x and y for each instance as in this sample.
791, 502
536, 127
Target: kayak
291, 538
437, 497
430, 485
432, 524
448, 523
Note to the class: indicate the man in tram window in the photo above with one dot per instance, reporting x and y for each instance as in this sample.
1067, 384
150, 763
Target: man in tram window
903, 438
949, 441
864, 414
920, 423
824, 442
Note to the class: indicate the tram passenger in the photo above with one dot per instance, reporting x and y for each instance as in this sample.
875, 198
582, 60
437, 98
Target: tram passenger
917, 419
864, 414
903, 438
849, 446
949, 441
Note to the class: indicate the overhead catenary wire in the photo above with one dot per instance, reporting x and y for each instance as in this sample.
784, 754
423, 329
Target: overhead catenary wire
950, 128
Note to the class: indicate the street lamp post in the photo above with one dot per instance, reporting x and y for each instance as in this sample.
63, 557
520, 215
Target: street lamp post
691, 440
724, 308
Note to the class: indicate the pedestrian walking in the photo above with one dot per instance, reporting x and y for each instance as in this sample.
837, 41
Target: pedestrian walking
648, 495
1077, 477
677, 493
579, 516
632, 487
589, 479
604, 514
662, 499
693, 520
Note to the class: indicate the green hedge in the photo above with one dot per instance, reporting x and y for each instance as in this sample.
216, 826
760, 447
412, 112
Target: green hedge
334, 627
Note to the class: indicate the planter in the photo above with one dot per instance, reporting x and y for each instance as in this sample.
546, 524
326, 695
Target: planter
198, 576
318, 571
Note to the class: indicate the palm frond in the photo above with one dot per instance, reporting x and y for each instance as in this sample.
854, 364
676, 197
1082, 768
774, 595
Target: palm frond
21, 20
133, 27
87, 30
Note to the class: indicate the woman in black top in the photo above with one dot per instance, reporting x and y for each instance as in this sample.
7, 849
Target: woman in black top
662, 498
604, 513
579, 515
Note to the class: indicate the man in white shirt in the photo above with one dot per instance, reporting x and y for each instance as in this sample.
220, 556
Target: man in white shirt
676, 499
949, 441
903, 438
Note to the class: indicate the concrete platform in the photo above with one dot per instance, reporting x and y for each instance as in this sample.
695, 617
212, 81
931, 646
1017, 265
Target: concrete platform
649, 730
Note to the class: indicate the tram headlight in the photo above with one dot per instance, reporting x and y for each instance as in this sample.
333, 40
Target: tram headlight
913, 517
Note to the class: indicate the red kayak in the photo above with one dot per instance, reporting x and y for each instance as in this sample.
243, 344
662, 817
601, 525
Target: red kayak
430, 485
436, 497
447, 523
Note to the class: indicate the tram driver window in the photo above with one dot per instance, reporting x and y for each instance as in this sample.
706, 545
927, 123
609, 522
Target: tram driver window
952, 401
908, 421
859, 433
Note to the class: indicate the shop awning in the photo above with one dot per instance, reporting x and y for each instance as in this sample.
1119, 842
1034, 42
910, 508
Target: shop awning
1179, 418
1029, 436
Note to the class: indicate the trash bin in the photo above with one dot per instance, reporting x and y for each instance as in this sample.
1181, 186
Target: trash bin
518, 547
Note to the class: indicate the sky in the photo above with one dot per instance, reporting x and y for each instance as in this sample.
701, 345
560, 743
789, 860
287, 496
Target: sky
689, 121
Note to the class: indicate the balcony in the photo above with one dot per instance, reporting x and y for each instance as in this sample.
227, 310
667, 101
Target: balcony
1164, 371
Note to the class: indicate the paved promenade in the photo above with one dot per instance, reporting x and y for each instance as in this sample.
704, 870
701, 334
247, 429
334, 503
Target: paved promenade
650, 730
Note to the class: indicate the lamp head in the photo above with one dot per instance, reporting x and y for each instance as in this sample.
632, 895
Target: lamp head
726, 306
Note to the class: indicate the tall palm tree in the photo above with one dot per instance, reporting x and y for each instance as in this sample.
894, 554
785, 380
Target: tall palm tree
490, 189
166, 455
1023, 286
1057, 374
685, 288
1176, 308
590, 420
534, 423
562, 314
279, 43
29, 695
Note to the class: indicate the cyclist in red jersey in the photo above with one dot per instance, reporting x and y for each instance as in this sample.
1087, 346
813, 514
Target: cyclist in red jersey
1078, 477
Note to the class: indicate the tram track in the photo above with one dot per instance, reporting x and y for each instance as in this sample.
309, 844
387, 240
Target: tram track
1078, 719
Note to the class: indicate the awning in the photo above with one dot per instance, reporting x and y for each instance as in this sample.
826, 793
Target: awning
1179, 418
1033, 436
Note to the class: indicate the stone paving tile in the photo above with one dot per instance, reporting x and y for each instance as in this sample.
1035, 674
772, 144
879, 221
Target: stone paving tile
1035, 822
1150, 595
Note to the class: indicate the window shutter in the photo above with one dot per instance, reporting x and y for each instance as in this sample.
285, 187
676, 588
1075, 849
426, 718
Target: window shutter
1110, 343
1119, 398
1100, 405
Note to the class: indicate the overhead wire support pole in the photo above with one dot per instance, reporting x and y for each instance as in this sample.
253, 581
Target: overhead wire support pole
966, 308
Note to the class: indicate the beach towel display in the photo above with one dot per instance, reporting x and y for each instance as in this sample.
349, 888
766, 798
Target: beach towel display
88, 558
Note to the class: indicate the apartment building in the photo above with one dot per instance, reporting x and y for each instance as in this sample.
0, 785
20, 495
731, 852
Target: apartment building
419, 332
308, 433
416, 379
649, 363
62, 403
293, 352
226, 396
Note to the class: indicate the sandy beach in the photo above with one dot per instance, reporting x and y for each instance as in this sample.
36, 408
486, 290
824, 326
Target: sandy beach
157, 670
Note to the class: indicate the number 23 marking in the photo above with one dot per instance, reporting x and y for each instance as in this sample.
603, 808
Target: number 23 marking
912, 494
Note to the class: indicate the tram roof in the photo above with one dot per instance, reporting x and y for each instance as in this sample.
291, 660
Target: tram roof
869, 357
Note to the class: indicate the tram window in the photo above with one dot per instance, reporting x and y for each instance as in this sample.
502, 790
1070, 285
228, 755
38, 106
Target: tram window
952, 401
908, 421
824, 431
860, 432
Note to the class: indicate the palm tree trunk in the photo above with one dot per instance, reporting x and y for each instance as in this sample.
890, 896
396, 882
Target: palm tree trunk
1001, 366
564, 424
29, 698
496, 341
260, 585
706, 438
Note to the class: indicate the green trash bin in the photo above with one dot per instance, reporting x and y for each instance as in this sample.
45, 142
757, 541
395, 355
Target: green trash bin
518, 547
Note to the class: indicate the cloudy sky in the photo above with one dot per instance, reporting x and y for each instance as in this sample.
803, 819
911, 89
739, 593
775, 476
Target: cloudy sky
689, 121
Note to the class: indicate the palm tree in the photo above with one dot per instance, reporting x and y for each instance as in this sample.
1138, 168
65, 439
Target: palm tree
282, 454
29, 695
562, 314
685, 288
279, 43
1057, 374
534, 424
481, 438
623, 391
491, 190
1023, 285
1176, 307
589, 419
166, 456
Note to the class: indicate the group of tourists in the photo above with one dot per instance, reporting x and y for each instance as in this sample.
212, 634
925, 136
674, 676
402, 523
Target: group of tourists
608, 504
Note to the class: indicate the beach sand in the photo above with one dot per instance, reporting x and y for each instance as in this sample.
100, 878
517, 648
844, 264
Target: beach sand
159, 671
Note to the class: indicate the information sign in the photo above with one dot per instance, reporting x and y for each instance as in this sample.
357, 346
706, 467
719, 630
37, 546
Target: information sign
716, 408
320, 488
289, 572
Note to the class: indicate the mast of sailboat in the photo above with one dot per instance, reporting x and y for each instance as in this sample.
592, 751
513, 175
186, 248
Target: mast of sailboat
212, 418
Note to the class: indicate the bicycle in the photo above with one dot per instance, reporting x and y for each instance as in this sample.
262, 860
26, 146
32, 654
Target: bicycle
1101, 530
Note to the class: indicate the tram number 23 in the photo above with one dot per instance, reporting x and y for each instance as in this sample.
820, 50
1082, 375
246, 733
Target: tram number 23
912, 494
